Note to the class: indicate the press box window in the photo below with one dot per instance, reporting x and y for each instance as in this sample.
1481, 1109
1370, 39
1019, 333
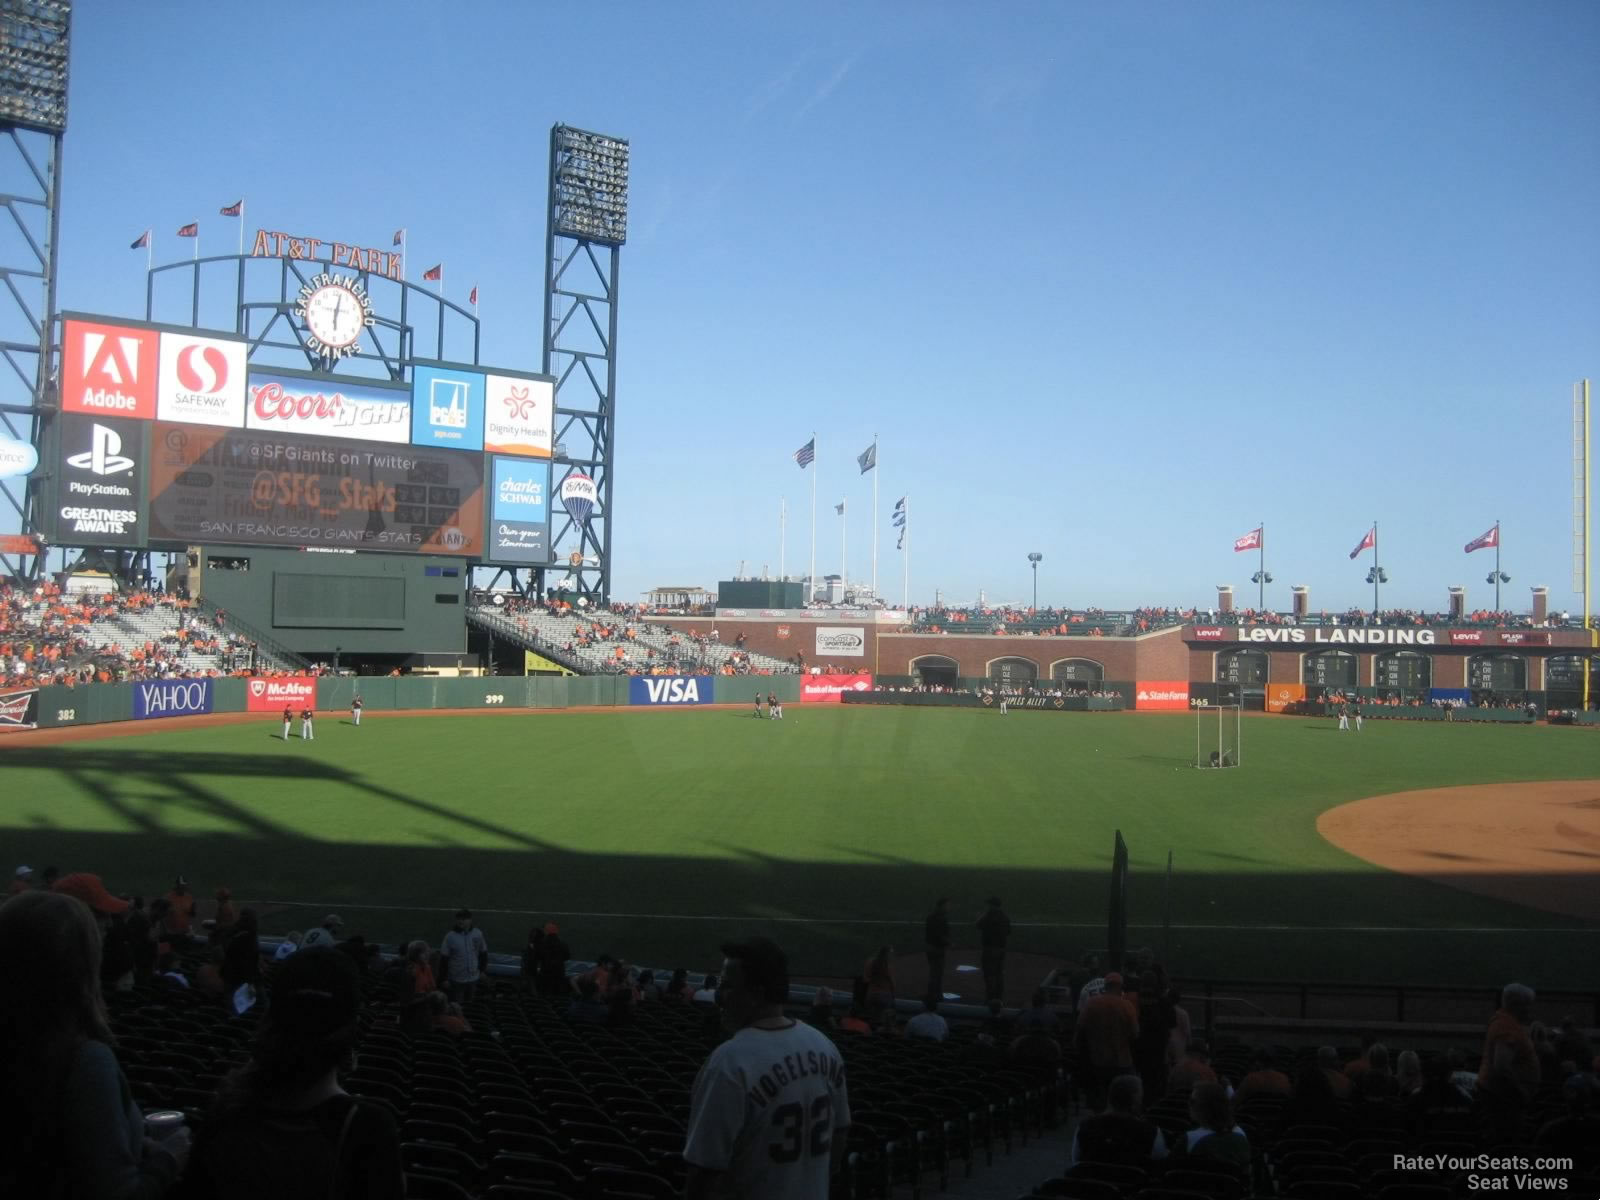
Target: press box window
446, 598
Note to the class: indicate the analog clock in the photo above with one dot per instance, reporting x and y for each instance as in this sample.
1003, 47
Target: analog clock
335, 310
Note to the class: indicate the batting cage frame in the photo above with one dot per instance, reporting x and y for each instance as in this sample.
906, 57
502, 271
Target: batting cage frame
1224, 749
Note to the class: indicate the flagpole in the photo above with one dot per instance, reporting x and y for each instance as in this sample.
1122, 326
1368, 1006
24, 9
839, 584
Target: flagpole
1374, 572
783, 536
241, 226
1497, 565
905, 563
1261, 570
874, 519
196, 245
844, 557
149, 250
811, 580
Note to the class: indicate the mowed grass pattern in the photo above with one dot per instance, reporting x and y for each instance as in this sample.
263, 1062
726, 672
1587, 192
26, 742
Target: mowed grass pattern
659, 833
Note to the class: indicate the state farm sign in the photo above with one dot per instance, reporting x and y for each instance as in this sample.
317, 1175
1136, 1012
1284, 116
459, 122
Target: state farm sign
328, 408
270, 695
1161, 695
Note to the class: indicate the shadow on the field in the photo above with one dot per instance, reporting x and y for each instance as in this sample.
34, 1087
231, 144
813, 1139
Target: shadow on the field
1238, 917
151, 789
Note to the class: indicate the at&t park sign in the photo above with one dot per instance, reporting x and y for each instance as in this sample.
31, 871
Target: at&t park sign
271, 244
1356, 635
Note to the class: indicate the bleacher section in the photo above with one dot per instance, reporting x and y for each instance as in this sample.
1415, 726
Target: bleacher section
651, 648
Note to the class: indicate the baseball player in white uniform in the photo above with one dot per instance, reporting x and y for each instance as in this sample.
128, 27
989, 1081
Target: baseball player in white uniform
769, 1110
355, 711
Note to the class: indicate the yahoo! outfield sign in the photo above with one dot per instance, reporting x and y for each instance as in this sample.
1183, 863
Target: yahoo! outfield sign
171, 698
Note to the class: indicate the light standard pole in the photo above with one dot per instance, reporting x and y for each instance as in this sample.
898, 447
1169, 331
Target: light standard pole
1034, 559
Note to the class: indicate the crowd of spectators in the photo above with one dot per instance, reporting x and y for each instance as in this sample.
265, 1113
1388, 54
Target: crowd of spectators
48, 636
1156, 1095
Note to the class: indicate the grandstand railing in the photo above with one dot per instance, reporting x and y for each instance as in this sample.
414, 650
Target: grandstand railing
500, 623
266, 645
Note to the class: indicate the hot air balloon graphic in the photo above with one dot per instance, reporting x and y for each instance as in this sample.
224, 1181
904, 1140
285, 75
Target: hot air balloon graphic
577, 495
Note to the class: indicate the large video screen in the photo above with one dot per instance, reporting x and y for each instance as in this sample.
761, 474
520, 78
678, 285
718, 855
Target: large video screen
170, 437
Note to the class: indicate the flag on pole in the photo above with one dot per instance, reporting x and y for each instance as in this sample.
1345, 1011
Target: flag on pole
807, 454
434, 273
140, 242
868, 458
839, 508
1368, 541
235, 209
190, 230
472, 296
1250, 541
399, 238
1487, 542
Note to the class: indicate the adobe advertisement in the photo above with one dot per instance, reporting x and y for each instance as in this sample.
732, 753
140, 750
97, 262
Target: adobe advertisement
330, 408
108, 370
298, 692
519, 515
282, 490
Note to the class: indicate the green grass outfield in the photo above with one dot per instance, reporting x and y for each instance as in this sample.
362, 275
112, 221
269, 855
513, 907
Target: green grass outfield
653, 834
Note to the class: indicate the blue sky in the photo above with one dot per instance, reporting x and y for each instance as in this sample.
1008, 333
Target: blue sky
1112, 282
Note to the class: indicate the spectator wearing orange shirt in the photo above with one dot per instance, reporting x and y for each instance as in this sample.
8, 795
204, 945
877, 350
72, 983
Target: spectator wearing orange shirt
1194, 1070
180, 911
1264, 1079
1509, 1060
1108, 1026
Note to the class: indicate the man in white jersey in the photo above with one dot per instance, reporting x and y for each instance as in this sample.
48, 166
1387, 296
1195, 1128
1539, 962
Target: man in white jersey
769, 1110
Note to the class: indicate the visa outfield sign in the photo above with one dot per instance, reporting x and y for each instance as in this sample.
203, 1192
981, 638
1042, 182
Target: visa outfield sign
171, 698
670, 689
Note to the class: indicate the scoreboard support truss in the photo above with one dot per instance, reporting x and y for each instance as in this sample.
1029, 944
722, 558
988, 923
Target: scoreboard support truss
1216, 735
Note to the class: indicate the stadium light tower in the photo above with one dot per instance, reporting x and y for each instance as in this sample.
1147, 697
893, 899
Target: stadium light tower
34, 39
1035, 558
587, 226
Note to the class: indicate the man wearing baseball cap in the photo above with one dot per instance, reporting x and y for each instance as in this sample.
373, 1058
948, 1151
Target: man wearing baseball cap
21, 883
92, 892
325, 935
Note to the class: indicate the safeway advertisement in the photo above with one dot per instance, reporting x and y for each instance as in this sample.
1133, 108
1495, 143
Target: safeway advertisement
1159, 695
826, 689
270, 695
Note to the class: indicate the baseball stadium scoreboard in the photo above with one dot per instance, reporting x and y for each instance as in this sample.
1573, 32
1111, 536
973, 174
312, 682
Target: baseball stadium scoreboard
169, 437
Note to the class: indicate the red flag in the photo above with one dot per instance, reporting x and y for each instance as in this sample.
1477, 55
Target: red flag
190, 230
235, 209
1250, 541
472, 297
1487, 542
1367, 542
399, 238
141, 241
434, 272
